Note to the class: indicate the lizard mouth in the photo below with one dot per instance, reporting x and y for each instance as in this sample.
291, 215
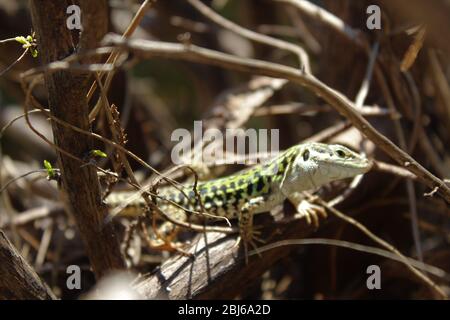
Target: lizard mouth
360, 164
364, 163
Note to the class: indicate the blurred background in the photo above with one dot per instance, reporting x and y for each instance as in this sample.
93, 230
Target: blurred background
408, 100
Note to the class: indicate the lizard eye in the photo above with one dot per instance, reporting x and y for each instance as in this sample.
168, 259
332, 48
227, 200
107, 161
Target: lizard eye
305, 155
340, 154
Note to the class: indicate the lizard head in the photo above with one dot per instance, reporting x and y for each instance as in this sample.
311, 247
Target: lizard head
322, 163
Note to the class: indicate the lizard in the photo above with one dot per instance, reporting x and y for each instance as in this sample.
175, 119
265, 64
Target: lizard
258, 189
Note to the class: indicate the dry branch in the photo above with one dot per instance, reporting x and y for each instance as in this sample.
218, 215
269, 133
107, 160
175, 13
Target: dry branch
18, 280
218, 272
67, 100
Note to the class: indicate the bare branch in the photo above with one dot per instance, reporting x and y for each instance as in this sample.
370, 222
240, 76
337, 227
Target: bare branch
18, 280
334, 98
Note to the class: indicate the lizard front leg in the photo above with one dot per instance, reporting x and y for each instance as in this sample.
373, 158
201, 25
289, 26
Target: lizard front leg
306, 210
247, 232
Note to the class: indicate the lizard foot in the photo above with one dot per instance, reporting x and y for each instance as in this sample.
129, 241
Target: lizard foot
161, 245
310, 212
247, 237
163, 239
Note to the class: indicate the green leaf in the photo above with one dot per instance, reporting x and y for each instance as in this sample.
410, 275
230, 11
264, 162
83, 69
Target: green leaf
28, 43
98, 153
50, 171
34, 52
21, 40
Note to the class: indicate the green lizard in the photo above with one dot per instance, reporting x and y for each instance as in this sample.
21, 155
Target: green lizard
260, 188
